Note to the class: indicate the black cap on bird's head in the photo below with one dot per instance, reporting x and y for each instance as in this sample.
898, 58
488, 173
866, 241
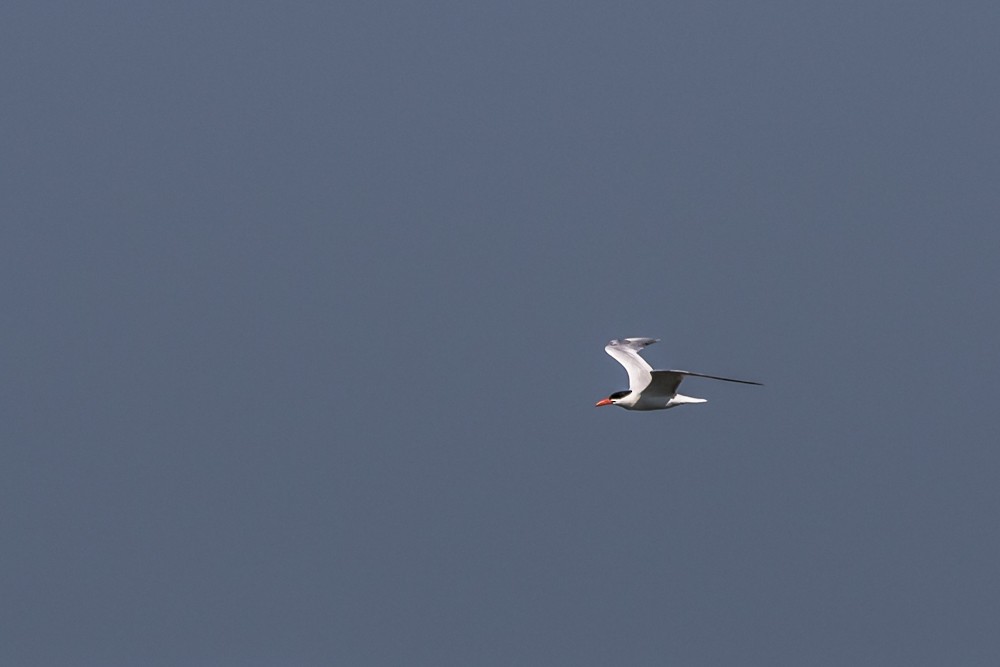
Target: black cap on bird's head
610, 400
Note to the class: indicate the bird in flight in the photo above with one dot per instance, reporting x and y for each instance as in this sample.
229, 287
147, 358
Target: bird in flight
649, 389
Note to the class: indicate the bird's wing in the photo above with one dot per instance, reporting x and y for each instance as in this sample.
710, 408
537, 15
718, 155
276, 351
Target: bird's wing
626, 352
666, 382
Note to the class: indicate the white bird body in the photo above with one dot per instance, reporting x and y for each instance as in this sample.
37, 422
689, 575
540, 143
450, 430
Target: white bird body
649, 389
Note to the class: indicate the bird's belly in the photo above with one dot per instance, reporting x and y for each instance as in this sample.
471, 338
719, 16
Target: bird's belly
652, 403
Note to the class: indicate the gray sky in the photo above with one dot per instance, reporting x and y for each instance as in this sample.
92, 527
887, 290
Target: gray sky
305, 307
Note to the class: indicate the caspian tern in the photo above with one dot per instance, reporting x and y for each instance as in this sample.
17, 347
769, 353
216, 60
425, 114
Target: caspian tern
649, 389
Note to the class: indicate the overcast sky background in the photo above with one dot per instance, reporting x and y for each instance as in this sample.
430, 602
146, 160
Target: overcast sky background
305, 307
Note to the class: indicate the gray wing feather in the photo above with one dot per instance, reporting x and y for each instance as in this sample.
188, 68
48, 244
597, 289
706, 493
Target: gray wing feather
717, 377
666, 382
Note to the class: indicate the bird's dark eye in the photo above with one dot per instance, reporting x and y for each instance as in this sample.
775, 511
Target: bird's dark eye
620, 394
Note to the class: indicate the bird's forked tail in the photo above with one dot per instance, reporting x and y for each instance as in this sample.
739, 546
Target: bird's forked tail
681, 399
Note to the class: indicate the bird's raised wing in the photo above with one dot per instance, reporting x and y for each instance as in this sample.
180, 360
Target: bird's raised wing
626, 352
666, 382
